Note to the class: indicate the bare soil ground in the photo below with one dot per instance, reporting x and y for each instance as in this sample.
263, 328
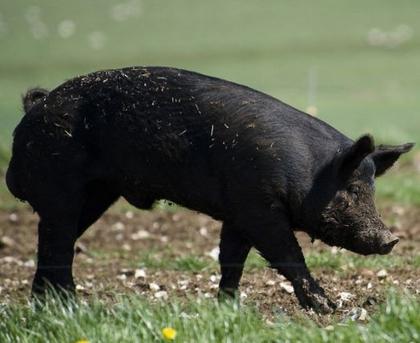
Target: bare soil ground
167, 254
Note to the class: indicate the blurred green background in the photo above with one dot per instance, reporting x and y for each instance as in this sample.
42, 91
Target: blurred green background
357, 62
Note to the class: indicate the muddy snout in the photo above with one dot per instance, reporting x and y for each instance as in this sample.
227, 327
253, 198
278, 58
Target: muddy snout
379, 240
388, 241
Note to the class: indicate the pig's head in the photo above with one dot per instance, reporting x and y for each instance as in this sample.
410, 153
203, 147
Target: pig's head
350, 219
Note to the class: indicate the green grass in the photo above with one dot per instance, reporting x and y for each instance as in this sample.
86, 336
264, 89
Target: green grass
189, 263
402, 187
319, 260
179, 263
134, 319
349, 261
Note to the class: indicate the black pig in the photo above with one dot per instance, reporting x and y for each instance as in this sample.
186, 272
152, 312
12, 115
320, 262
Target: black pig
259, 165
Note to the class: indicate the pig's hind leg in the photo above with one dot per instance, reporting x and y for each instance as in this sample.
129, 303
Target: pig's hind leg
59, 210
234, 249
273, 237
68, 214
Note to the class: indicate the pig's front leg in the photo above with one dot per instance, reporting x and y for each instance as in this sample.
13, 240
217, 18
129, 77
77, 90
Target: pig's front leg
277, 243
234, 249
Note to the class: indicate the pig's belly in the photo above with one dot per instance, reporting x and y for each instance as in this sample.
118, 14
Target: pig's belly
197, 192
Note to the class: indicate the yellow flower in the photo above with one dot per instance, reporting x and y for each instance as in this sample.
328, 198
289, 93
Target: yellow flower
82, 341
169, 334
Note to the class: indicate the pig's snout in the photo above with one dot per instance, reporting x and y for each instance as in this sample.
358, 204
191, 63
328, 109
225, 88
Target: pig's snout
389, 242
379, 241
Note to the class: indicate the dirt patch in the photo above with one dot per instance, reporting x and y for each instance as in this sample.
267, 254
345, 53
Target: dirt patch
110, 255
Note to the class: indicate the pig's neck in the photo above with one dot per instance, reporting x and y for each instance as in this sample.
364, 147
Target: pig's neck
312, 183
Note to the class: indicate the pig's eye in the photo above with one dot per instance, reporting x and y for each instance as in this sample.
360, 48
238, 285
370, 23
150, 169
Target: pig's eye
353, 189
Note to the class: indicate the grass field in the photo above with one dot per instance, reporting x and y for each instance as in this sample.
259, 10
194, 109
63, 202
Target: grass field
135, 320
131, 288
357, 62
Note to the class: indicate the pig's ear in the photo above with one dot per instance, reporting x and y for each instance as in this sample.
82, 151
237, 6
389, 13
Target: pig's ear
353, 156
386, 155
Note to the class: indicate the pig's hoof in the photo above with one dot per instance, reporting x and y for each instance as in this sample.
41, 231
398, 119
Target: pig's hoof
43, 289
319, 304
227, 294
39, 300
310, 295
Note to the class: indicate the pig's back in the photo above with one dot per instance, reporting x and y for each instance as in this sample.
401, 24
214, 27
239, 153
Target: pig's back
172, 129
